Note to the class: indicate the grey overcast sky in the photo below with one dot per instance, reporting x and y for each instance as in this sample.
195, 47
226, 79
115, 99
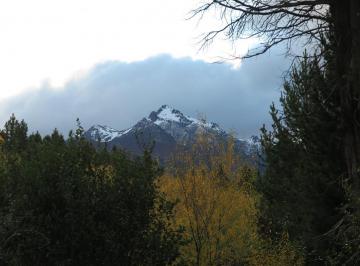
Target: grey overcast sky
112, 62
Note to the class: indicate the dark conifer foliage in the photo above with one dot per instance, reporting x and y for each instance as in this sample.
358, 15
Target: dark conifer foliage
62, 202
302, 184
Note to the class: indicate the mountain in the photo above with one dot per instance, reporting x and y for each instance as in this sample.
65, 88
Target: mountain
167, 128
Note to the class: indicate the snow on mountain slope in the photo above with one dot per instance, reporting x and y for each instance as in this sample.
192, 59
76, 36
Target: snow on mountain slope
182, 128
105, 133
252, 141
168, 114
167, 127
251, 145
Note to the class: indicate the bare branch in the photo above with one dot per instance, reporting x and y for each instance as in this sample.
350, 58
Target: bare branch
273, 21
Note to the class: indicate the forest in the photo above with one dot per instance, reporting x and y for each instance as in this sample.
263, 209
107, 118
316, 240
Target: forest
66, 201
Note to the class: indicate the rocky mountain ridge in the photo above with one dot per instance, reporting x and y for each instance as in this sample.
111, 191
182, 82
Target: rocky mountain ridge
167, 128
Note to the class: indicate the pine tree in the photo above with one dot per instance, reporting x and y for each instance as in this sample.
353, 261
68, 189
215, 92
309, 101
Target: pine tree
302, 185
15, 134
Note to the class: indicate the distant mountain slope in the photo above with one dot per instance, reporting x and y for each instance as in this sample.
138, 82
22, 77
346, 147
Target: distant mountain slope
167, 128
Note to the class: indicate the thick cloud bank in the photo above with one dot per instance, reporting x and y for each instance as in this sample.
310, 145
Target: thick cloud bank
118, 94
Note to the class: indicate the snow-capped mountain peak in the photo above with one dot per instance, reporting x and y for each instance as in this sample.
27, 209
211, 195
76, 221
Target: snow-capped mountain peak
168, 114
168, 128
105, 133
181, 127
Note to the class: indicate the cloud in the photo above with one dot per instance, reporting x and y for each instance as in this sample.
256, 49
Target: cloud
118, 94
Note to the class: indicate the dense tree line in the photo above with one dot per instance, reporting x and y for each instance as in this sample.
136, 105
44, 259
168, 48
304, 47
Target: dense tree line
65, 202
62, 202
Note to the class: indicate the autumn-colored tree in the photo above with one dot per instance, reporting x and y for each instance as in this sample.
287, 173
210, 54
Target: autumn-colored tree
218, 206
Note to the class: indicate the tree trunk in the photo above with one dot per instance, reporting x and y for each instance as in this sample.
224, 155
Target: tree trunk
346, 14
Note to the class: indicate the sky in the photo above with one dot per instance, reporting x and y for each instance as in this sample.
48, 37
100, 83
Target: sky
113, 61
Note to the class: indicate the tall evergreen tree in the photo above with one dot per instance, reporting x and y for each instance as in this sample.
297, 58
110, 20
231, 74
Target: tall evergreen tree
15, 134
301, 185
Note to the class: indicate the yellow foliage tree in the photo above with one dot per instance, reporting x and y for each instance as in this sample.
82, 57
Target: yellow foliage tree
217, 205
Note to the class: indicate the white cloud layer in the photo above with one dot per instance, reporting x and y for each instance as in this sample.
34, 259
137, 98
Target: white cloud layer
50, 40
